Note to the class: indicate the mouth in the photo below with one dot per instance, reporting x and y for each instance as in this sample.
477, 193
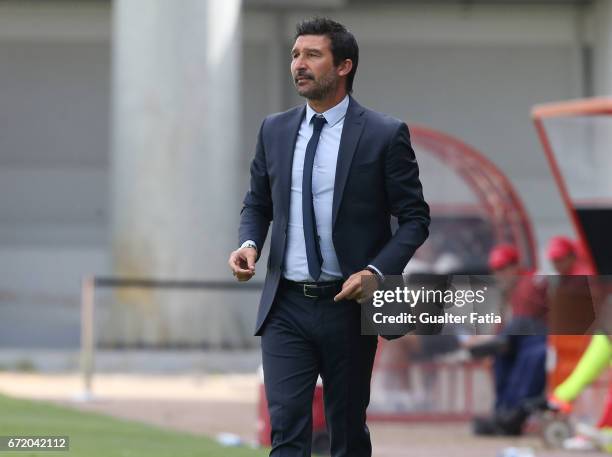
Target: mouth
302, 79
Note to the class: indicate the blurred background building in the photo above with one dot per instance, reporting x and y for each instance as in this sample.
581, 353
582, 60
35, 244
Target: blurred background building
127, 129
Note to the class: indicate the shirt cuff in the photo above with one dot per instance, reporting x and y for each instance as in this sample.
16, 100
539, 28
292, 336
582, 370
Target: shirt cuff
249, 244
378, 272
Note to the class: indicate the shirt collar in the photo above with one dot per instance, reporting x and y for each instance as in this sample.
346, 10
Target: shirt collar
333, 115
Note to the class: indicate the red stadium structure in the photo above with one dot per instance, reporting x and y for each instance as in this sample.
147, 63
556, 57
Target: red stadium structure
576, 136
495, 199
590, 210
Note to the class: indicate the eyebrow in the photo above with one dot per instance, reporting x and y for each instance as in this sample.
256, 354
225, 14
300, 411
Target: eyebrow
293, 51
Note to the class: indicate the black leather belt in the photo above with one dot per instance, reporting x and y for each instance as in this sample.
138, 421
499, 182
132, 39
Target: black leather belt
314, 289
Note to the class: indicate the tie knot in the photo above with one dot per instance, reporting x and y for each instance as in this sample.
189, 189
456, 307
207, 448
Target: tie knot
318, 120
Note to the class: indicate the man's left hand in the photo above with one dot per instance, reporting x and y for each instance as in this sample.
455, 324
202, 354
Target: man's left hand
353, 287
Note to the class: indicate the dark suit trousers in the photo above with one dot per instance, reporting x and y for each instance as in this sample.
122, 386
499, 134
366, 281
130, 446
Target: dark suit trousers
301, 338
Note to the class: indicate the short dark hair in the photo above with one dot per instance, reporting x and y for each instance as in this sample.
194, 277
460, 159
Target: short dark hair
343, 43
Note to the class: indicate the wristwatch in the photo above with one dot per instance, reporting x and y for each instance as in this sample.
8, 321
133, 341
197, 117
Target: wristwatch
249, 244
379, 276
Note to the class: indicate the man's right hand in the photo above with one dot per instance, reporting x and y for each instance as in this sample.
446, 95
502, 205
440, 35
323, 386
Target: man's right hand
242, 263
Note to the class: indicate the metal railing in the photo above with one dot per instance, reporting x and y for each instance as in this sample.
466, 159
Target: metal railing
91, 284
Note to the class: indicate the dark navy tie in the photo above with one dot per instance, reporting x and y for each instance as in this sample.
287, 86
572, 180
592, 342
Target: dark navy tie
313, 249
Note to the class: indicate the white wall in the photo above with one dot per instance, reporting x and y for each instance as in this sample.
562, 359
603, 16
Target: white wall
54, 89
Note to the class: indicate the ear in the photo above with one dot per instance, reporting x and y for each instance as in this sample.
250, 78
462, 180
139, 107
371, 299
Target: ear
345, 67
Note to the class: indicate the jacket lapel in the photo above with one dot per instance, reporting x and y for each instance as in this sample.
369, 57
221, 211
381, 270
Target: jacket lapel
285, 158
351, 132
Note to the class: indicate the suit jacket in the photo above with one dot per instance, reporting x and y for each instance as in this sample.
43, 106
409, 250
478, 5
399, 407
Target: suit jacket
377, 176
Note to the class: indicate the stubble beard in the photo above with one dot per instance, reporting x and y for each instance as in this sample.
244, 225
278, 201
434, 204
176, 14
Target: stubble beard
320, 89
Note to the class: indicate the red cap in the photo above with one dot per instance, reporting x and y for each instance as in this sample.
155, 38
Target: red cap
503, 255
559, 247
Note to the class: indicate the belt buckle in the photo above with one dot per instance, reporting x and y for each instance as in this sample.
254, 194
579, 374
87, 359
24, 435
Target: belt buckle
306, 294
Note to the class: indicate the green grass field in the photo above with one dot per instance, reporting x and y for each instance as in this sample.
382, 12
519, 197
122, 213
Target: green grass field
95, 435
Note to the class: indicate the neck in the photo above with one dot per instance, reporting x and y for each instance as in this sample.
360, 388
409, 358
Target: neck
320, 106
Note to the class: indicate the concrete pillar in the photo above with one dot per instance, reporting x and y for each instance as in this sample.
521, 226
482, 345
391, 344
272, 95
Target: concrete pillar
175, 168
601, 184
603, 47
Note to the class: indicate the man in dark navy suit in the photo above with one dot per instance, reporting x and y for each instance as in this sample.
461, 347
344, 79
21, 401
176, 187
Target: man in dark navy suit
329, 174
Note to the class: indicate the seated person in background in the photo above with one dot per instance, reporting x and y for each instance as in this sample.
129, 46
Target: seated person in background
520, 348
567, 260
595, 360
574, 293
564, 255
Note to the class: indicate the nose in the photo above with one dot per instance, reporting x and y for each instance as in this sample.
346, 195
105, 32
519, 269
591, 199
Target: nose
299, 63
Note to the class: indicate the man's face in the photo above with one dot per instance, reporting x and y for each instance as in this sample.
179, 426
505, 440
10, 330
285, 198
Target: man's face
564, 264
507, 276
312, 67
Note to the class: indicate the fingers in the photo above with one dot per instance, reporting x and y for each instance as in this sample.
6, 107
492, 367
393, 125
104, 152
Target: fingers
342, 294
242, 263
351, 289
364, 295
243, 276
251, 256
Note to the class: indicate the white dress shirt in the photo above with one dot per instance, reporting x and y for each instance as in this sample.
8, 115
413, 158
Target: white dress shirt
295, 264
